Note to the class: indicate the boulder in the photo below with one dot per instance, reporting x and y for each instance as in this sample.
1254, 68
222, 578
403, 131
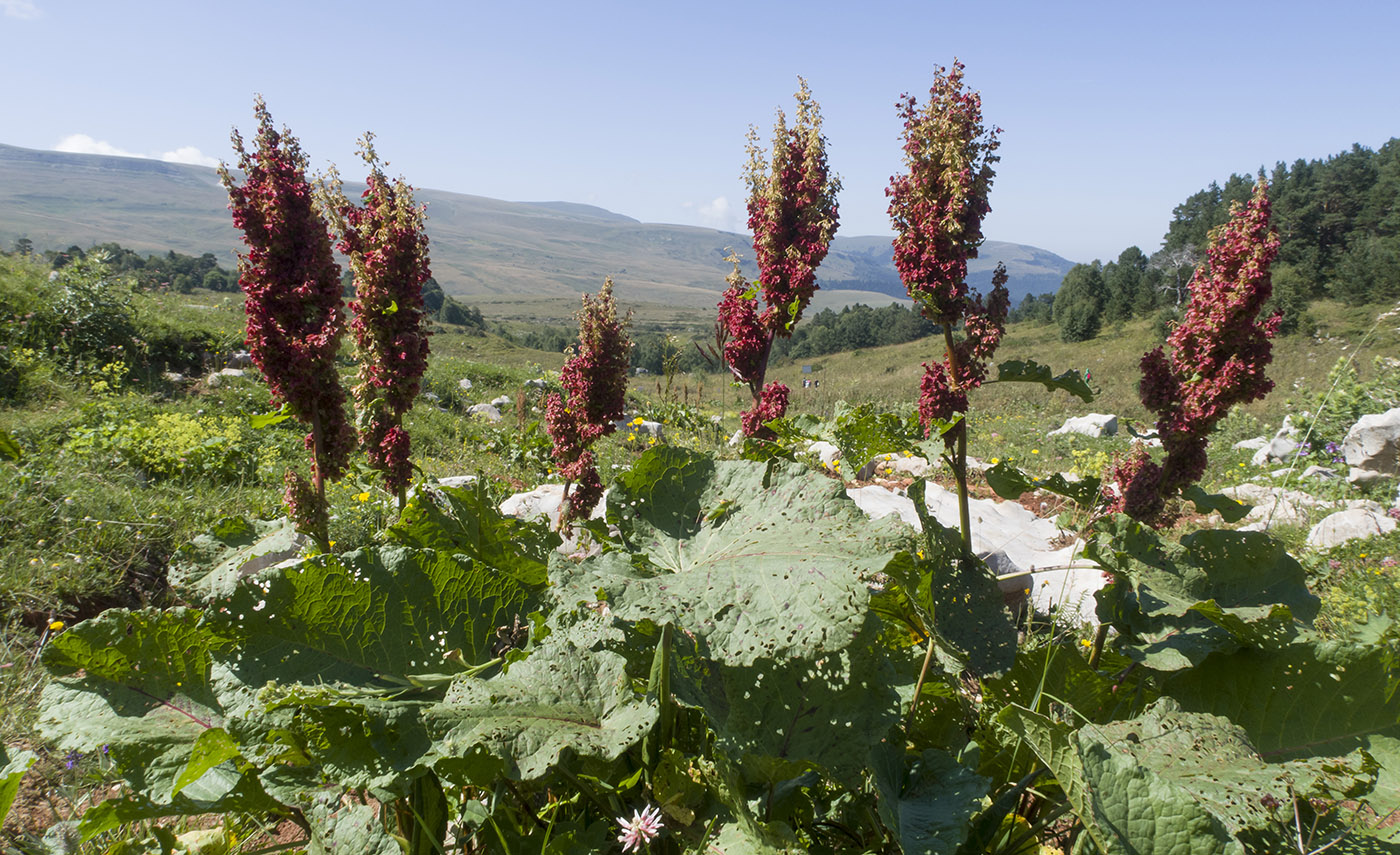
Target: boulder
173, 377
1093, 424
485, 411
464, 384
1373, 446
1272, 506
1348, 525
547, 500
653, 430
1254, 444
240, 359
1321, 473
457, 481
1283, 447
1019, 546
502, 401
537, 383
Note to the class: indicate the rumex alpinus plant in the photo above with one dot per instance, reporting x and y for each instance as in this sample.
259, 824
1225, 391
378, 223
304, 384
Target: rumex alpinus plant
1215, 359
937, 207
388, 251
595, 394
294, 307
793, 216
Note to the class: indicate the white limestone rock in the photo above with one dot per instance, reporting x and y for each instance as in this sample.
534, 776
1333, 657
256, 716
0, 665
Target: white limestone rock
1348, 525
484, 411
1093, 425
1373, 446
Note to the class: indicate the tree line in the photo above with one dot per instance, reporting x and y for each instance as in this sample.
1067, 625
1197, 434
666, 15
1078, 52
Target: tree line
1338, 224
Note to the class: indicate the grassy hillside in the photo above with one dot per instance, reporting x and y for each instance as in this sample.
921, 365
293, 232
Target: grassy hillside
483, 250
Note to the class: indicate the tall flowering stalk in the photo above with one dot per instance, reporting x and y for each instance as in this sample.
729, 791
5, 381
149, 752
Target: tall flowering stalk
595, 392
793, 216
294, 308
385, 241
1214, 359
937, 207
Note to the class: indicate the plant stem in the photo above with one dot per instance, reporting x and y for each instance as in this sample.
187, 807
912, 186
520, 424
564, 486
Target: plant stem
318, 479
1099, 638
960, 458
919, 686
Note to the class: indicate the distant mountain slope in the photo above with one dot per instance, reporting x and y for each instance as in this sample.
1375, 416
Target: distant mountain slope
482, 248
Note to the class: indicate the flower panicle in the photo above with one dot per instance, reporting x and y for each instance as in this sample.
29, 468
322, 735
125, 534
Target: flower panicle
1215, 359
594, 379
295, 316
385, 239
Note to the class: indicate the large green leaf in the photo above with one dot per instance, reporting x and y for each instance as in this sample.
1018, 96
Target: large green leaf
394, 613
466, 520
1010, 482
929, 803
339, 825
564, 697
760, 562
1323, 699
140, 684
12, 769
863, 432
1214, 591
796, 713
209, 566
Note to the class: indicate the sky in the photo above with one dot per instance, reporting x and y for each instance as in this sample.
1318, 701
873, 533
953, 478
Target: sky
1112, 113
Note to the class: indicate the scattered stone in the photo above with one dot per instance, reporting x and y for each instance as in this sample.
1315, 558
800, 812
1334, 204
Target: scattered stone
737, 439
547, 500
1347, 525
537, 383
1372, 447
894, 465
431, 397
1094, 425
464, 384
654, 430
1272, 506
1321, 473
173, 377
1282, 447
1254, 444
457, 481
241, 359
1015, 543
502, 401
485, 411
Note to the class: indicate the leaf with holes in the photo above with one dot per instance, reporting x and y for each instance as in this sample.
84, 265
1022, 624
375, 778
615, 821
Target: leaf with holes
782, 576
210, 566
1030, 371
929, 803
564, 697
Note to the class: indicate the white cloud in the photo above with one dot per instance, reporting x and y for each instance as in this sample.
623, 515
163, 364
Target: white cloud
191, 155
84, 144
717, 214
23, 10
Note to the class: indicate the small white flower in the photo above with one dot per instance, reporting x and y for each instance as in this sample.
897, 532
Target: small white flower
644, 827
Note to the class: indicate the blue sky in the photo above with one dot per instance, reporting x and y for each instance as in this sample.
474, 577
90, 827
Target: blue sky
1112, 113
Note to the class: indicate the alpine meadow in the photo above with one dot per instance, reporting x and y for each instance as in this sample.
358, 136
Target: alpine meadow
324, 555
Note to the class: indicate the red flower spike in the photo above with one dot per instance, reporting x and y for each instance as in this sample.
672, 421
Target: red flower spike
595, 391
1214, 359
292, 283
388, 250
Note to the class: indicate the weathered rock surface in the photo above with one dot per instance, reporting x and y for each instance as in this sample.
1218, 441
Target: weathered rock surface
1019, 546
1348, 525
1094, 425
1272, 505
1372, 446
484, 411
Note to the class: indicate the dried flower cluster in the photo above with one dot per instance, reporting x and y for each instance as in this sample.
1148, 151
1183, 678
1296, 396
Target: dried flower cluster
1215, 359
295, 316
937, 207
595, 390
793, 216
385, 241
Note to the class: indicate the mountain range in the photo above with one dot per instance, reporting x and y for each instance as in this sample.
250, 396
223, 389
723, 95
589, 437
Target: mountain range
482, 249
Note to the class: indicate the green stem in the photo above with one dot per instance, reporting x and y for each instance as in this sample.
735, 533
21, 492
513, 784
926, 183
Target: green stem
959, 459
919, 686
1099, 638
318, 480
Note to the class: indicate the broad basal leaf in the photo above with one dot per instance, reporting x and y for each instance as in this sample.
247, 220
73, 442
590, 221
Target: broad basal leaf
340, 825
562, 697
782, 573
1229, 509
467, 521
209, 566
396, 613
927, 803
140, 685
863, 432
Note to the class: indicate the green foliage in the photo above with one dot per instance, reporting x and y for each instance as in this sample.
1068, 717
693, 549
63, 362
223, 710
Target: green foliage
1079, 303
